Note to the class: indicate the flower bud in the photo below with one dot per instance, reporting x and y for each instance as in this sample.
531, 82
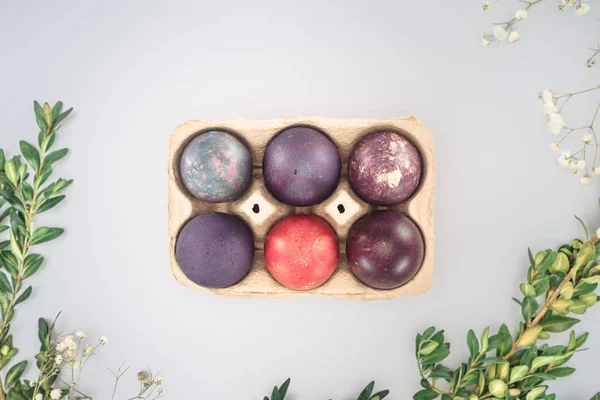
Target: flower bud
502, 371
576, 244
561, 306
514, 392
535, 393
497, 388
566, 292
529, 337
544, 335
48, 114
527, 289
589, 299
578, 307
4, 350
560, 264
491, 375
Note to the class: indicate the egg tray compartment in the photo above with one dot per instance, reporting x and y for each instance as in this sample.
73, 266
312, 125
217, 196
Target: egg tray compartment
260, 210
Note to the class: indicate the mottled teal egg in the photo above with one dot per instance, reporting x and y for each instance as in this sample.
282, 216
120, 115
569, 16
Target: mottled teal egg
216, 167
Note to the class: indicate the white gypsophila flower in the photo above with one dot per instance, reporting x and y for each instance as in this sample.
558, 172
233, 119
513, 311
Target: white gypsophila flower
158, 380
596, 170
513, 37
55, 394
70, 343
159, 389
87, 350
556, 123
564, 159
587, 138
32, 383
500, 33
39, 396
547, 96
573, 166
61, 346
520, 15
485, 42
75, 364
485, 6
580, 164
70, 355
555, 146
80, 335
103, 340
585, 180
59, 359
550, 108
583, 9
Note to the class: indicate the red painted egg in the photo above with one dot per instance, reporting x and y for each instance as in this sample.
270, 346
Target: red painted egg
301, 252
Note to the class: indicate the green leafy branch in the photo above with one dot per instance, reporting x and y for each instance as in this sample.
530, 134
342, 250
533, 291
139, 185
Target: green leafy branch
279, 393
517, 368
25, 193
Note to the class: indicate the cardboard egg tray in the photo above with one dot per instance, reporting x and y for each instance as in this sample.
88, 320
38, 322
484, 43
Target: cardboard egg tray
260, 210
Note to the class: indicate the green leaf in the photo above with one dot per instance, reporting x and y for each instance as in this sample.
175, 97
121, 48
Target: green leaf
37, 108
529, 307
4, 283
436, 356
380, 395
44, 331
10, 170
428, 332
24, 296
541, 286
49, 204
441, 371
580, 341
596, 396
472, 343
3, 228
284, 388
485, 339
507, 344
14, 374
9, 261
531, 260
557, 324
32, 265
425, 394
2, 159
44, 234
31, 155
55, 156
539, 362
56, 110
14, 246
561, 372
518, 373
366, 393
62, 116
546, 262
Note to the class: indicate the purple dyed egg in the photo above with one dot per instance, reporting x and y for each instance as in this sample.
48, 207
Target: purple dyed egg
216, 167
384, 168
301, 166
384, 249
215, 250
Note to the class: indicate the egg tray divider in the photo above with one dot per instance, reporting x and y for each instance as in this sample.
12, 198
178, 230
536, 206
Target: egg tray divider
260, 210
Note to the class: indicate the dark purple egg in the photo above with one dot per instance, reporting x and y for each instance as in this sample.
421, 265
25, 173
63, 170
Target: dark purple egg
301, 166
215, 250
385, 249
384, 168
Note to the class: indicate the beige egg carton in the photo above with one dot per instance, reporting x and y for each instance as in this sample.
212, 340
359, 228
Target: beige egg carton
260, 210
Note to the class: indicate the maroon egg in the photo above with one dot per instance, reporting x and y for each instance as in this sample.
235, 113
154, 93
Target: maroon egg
384, 168
385, 249
215, 250
301, 166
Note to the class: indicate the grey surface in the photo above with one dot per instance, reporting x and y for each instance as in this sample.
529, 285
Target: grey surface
136, 69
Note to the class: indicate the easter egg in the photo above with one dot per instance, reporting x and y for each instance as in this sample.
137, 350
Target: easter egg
301, 166
216, 167
385, 249
301, 252
215, 250
384, 168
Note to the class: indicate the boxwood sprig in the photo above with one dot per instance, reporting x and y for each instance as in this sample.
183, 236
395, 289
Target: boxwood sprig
505, 366
279, 393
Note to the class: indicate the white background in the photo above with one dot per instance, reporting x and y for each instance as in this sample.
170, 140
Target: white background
133, 70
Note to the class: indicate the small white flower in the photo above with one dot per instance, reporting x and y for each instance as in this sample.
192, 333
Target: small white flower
55, 394
513, 37
521, 15
547, 96
75, 364
550, 108
573, 166
70, 355
59, 359
61, 346
556, 123
500, 32
71, 345
564, 160
87, 350
582, 9
159, 389
32, 383
39, 396
485, 42
585, 180
555, 146
158, 380
80, 335
596, 170
580, 164
587, 138
485, 6
103, 340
